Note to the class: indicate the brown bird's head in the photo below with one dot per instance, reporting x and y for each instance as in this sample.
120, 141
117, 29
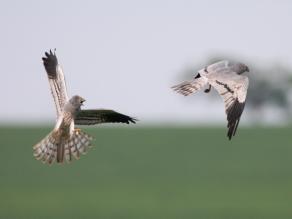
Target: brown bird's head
76, 101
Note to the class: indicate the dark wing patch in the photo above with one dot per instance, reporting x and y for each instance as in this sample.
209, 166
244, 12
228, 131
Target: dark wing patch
225, 86
50, 63
233, 116
233, 105
98, 116
198, 76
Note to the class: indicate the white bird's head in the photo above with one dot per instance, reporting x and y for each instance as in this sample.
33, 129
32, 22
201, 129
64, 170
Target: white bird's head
240, 68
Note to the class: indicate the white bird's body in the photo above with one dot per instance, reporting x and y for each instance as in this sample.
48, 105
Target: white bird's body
226, 78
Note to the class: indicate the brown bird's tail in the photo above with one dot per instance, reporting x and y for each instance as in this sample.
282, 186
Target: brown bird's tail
52, 149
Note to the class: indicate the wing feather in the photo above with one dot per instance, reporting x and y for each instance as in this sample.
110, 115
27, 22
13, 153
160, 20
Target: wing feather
233, 90
188, 87
56, 80
98, 116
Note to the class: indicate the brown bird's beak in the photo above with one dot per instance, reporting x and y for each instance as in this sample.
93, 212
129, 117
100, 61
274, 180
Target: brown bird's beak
82, 101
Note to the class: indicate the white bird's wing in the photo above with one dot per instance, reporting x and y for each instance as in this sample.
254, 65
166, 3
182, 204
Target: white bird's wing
56, 80
233, 89
218, 66
188, 87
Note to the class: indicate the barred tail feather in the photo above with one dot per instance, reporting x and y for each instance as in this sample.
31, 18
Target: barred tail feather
50, 149
45, 150
78, 144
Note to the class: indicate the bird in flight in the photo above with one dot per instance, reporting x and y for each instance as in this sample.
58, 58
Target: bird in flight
66, 142
226, 77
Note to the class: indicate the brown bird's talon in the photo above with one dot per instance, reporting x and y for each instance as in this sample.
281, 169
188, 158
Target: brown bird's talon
77, 130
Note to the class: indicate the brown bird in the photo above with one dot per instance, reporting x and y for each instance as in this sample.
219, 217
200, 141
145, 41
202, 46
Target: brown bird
65, 142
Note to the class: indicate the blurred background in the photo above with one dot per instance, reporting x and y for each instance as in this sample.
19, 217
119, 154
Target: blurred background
125, 55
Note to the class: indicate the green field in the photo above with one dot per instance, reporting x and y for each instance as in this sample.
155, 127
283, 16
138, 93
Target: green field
133, 173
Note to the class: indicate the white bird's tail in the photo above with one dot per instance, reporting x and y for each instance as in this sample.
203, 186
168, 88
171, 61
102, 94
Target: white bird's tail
52, 149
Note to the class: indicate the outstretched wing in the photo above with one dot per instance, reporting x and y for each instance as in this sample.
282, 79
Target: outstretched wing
233, 89
57, 80
188, 87
98, 116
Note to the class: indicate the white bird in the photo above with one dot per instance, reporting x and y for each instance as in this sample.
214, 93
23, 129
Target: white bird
226, 77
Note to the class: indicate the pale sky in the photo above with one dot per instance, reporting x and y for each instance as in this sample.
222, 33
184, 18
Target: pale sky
125, 55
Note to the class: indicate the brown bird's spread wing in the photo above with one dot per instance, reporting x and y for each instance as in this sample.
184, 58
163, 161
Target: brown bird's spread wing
98, 116
56, 79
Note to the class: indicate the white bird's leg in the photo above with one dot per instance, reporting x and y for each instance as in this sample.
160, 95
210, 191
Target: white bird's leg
208, 89
77, 130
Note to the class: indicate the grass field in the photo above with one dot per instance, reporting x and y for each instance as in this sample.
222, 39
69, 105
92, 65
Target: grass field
171, 173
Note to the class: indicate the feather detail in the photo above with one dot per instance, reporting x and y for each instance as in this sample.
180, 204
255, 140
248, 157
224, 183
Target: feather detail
98, 116
51, 149
189, 87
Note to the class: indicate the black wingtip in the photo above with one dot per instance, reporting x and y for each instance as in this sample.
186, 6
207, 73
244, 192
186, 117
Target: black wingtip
132, 120
197, 76
233, 117
122, 118
50, 62
128, 120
